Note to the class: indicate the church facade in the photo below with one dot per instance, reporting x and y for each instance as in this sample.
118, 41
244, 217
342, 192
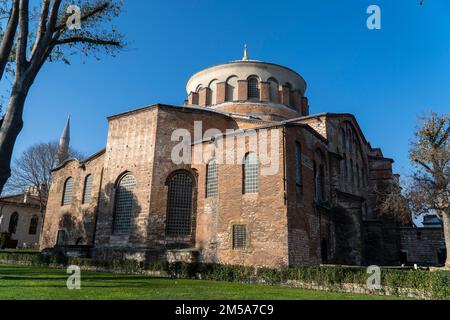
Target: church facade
242, 173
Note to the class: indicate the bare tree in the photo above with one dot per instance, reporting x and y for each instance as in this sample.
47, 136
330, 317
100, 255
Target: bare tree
33, 169
51, 32
428, 189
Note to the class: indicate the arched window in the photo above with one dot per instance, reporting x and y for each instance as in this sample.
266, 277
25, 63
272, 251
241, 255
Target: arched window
68, 192
298, 167
351, 172
13, 222
342, 140
251, 173
179, 209
320, 183
212, 179
124, 205
274, 90
361, 177
231, 89
87, 190
357, 176
33, 225
213, 93
253, 88
344, 169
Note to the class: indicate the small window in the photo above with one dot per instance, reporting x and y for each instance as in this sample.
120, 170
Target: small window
251, 173
61, 238
253, 88
298, 167
212, 179
33, 225
68, 192
13, 222
239, 237
87, 193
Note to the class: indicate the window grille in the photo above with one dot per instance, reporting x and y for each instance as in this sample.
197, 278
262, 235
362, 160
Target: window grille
253, 88
298, 166
87, 193
212, 179
68, 192
239, 237
179, 211
33, 225
123, 218
251, 174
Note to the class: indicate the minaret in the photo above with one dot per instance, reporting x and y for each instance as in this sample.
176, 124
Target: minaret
63, 149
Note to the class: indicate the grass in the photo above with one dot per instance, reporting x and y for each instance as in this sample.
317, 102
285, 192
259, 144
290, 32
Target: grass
32, 283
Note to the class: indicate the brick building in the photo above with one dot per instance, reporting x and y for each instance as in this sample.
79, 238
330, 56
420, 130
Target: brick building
313, 202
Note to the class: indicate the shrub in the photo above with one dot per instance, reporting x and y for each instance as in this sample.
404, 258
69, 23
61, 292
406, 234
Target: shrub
434, 285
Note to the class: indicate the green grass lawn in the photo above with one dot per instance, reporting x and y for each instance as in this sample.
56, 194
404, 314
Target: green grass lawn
31, 283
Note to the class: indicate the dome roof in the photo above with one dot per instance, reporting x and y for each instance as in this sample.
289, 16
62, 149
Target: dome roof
243, 70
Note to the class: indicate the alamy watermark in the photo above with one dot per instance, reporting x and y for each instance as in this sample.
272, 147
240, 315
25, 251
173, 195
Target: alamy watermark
74, 280
374, 280
228, 147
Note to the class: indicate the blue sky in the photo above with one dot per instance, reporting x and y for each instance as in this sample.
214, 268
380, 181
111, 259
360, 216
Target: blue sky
386, 78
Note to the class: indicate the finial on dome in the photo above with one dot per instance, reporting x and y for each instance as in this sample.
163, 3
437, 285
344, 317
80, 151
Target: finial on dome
245, 58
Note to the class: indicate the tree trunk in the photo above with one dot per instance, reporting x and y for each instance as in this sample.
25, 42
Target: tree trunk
446, 222
10, 129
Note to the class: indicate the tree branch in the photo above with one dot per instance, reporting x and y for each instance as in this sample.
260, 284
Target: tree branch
8, 37
42, 24
90, 13
22, 41
88, 40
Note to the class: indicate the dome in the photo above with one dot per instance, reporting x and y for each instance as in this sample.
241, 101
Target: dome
256, 88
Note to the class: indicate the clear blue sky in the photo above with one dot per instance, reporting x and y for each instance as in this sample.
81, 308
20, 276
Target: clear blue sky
385, 78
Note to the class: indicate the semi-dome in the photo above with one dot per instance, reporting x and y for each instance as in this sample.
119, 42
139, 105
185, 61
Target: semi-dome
251, 87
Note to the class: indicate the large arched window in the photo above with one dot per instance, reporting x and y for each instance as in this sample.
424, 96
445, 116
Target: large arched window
123, 211
13, 222
87, 190
68, 192
33, 225
253, 88
251, 173
212, 179
179, 208
298, 167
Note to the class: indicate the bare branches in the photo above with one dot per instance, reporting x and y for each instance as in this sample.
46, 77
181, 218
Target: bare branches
101, 42
33, 168
8, 37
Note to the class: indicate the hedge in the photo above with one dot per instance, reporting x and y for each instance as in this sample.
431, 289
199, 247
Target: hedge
431, 285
